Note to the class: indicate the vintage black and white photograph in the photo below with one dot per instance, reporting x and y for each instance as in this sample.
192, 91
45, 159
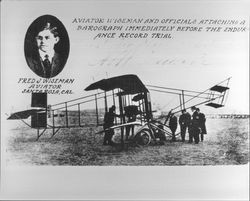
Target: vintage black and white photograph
126, 85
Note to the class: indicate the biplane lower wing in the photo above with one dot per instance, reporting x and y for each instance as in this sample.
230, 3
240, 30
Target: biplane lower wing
135, 123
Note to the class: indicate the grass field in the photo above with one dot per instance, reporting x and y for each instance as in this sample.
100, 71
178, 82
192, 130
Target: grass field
227, 143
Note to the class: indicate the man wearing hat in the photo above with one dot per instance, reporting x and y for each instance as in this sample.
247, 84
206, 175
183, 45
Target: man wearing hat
194, 129
184, 122
173, 125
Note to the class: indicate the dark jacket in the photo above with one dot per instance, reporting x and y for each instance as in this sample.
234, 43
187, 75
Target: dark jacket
195, 121
185, 119
109, 118
173, 123
202, 123
36, 65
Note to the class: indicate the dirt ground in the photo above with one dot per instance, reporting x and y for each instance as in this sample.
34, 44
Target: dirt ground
226, 143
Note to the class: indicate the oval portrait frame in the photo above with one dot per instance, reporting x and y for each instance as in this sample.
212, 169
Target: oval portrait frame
61, 48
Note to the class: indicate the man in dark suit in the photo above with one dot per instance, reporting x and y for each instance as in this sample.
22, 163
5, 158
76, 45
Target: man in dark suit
173, 125
202, 122
45, 62
184, 122
194, 129
109, 118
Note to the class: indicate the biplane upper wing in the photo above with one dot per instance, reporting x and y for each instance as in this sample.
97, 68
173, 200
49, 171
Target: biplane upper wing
130, 84
25, 114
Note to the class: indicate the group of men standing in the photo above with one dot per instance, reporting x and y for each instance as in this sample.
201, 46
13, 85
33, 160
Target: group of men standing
195, 124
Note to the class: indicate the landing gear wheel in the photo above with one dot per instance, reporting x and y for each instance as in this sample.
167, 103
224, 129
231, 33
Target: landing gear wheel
143, 138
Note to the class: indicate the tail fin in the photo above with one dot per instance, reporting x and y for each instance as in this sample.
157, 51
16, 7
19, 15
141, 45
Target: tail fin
39, 100
39, 119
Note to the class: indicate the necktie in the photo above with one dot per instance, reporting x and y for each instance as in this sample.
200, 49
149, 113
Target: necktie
47, 66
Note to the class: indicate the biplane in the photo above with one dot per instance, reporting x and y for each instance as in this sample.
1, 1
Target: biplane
131, 98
